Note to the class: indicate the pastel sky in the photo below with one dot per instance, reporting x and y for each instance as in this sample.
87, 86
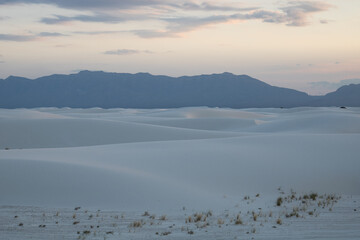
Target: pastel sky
306, 45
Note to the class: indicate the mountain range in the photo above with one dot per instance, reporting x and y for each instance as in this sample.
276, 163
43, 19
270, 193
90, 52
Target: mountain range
88, 89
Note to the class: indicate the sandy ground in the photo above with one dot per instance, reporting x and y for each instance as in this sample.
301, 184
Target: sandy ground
179, 162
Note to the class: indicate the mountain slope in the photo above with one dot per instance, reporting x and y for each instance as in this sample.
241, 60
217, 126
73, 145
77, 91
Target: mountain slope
142, 90
348, 95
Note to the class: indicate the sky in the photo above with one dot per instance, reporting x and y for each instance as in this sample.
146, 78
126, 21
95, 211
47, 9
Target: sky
312, 46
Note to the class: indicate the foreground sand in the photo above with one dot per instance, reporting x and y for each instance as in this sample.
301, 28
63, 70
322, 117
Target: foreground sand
127, 161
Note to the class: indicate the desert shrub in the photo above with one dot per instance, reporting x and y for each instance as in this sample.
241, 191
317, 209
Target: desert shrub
254, 215
136, 224
313, 196
197, 217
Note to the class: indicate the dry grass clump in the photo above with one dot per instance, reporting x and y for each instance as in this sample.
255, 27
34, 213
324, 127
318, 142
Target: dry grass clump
137, 224
313, 196
198, 217
254, 216
238, 220
163, 218
279, 201
220, 221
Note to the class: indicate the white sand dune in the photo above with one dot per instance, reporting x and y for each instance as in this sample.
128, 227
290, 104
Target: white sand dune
163, 159
73, 132
313, 122
304, 149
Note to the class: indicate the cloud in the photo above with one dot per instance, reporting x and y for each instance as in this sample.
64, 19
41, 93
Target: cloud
27, 38
17, 38
295, 13
205, 6
2, 18
104, 18
153, 33
324, 21
62, 45
87, 4
125, 52
131, 4
51, 34
98, 32
298, 12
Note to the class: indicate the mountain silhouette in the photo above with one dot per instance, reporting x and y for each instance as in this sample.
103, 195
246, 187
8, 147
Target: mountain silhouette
142, 90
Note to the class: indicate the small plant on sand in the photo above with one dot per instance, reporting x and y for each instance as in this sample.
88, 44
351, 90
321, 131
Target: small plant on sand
279, 201
279, 221
197, 217
136, 224
313, 196
238, 220
163, 218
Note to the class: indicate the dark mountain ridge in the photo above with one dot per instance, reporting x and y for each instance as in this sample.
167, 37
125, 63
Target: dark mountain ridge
142, 90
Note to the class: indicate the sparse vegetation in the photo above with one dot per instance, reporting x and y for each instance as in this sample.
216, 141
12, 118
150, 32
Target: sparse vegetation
137, 224
291, 205
165, 233
254, 216
313, 196
238, 220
